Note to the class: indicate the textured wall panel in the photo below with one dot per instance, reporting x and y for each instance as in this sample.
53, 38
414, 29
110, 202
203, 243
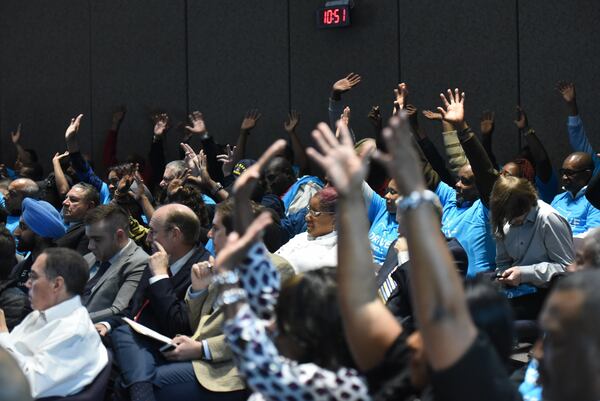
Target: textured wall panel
467, 44
559, 41
45, 73
319, 57
238, 59
138, 60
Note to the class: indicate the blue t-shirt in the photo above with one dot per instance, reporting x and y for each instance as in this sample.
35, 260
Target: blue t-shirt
2, 203
471, 227
208, 200
578, 211
384, 228
530, 389
12, 222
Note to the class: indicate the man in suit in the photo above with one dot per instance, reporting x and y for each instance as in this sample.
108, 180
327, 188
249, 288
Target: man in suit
158, 302
116, 262
80, 198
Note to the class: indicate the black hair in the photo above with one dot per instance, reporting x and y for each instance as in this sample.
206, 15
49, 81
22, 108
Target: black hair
69, 265
491, 313
308, 312
7, 252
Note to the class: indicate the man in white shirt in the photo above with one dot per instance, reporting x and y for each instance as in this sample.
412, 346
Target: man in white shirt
56, 345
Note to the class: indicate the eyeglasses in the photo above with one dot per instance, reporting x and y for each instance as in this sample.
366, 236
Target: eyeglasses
315, 213
465, 180
390, 191
571, 173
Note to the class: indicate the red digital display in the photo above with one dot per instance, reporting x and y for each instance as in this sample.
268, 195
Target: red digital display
333, 17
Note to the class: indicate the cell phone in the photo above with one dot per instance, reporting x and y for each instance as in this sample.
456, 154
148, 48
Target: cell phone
167, 347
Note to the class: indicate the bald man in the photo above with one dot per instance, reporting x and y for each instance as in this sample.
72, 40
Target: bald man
18, 190
158, 301
575, 174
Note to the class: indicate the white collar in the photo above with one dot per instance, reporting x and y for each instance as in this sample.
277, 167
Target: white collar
63, 309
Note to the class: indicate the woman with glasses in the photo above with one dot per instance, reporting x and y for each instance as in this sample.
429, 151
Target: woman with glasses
317, 247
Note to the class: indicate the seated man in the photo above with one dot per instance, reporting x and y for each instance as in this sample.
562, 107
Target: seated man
56, 345
116, 262
575, 174
18, 190
81, 198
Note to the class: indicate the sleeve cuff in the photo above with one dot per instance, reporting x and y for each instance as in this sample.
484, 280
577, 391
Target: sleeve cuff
194, 294
159, 277
206, 349
574, 120
106, 324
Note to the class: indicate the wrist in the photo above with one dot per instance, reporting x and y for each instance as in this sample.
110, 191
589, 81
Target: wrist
336, 95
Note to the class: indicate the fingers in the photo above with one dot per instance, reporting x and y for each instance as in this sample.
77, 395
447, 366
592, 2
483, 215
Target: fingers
317, 157
442, 111
158, 247
444, 100
345, 137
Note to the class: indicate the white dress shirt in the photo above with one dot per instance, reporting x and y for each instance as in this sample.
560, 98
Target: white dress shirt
58, 349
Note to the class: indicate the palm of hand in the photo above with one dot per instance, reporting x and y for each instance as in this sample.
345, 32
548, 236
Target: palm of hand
290, 125
343, 85
486, 126
454, 113
345, 168
248, 123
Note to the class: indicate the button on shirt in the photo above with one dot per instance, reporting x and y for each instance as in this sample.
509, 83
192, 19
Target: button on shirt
58, 349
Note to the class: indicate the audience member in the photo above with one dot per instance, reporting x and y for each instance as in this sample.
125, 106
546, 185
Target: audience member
13, 301
80, 198
56, 345
116, 263
18, 190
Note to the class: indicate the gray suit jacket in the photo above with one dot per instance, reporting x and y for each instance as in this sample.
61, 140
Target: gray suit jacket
114, 289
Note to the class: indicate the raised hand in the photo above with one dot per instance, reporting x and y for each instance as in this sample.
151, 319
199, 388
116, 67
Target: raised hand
486, 123
228, 160
73, 128
430, 115
454, 109
118, 116
400, 95
245, 183
374, 117
343, 166
161, 124
198, 126
344, 119
15, 136
191, 159
250, 119
123, 186
202, 274
401, 162
236, 248
521, 121
345, 84
292, 121
567, 90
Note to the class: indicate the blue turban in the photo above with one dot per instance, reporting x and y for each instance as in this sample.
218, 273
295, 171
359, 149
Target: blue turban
42, 218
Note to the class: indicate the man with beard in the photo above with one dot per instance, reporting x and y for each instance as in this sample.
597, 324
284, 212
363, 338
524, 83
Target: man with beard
575, 174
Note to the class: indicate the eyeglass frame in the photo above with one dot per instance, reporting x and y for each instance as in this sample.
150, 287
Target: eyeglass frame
315, 213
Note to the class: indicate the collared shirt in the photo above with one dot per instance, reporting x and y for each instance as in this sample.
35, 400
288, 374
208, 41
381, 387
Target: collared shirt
578, 211
58, 349
542, 246
174, 267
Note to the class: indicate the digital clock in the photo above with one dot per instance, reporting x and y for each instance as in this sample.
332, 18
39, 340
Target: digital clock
333, 16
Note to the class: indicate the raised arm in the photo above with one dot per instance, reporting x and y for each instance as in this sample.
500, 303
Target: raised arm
543, 167
456, 155
15, 137
483, 169
486, 126
62, 185
369, 327
248, 123
211, 149
109, 152
297, 147
438, 297
340, 87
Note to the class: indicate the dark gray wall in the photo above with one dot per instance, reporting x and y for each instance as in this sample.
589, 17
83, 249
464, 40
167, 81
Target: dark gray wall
224, 57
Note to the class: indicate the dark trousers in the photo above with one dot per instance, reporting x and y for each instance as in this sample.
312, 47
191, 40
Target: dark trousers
140, 361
